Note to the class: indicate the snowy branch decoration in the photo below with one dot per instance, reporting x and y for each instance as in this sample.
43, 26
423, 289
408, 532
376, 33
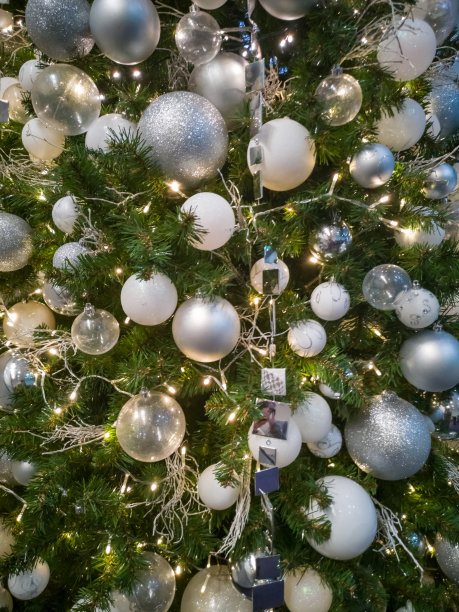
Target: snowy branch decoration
452, 473
74, 435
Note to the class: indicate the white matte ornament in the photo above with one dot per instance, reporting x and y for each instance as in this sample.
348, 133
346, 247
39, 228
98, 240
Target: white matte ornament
95, 331
287, 10
214, 220
372, 166
30, 584
6, 540
65, 213
198, 37
151, 301
23, 319
403, 128
28, 73
212, 590
260, 266
306, 590
352, 516
43, 142
340, 96
330, 301
417, 307
288, 154
5, 394
68, 255
408, 50
107, 129
329, 392
307, 338
329, 445
213, 494
313, 417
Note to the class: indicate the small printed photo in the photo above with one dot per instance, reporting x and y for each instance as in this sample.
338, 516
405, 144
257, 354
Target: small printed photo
268, 426
267, 455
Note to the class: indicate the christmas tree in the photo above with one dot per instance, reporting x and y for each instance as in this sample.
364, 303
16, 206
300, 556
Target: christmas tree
229, 293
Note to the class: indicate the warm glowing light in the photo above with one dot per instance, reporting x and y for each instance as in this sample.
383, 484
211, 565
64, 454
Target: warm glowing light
108, 549
119, 270
37, 291
206, 381
313, 259
42, 197
116, 74
57, 410
171, 389
107, 435
126, 320
136, 74
52, 351
178, 570
154, 486
393, 223
402, 203
175, 186
231, 417
147, 208
376, 332
73, 395
384, 199
183, 450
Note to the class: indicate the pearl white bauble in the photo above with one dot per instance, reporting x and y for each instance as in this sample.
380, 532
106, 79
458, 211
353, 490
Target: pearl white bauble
28, 73
307, 338
106, 129
5, 394
329, 445
330, 301
287, 10
213, 494
407, 237
41, 141
417, 307
30, 584
404, 128
352, 516
151, 301
288, 154
23, 471
313, 417
433, 130
329, 392
68, 255
256, 274
408, 50
23, 319
65, 213
6, 540
305, 590
214, 220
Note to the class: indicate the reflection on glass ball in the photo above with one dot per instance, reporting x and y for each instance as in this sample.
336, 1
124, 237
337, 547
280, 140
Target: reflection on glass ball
198, 37
59, 299
154, 587
340, 96
17, 372
95, 331
383, 283
332, 240
17, 111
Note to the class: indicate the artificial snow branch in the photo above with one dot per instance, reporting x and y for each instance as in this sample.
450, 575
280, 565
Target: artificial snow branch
74, 435
452, 473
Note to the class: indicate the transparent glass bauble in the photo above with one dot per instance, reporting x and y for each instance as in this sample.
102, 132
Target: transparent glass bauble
16, 110
383, 283
341, 98
150, 426
95, 331
59, 299
66, 98
198, 37
154, 587
18, 371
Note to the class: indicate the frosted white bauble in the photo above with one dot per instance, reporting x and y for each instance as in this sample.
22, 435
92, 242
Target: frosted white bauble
151, 301
307, 338
352, 516
260, 266
407, 237
6, 82
329, 445
213, 494
5, 393
313, 417
286, 450
416, 307
23, 471
68, 255
30, 584
404, 128
288, 154
106, 129
214, 220
6, 540
408, 50
65, 213
330, 301
212, 590
23, 319
329, 392
28, 73
41, 141
305, 590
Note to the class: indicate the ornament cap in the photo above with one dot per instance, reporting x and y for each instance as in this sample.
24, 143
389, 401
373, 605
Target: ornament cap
89, 310
388, 395
438, 327
336, 70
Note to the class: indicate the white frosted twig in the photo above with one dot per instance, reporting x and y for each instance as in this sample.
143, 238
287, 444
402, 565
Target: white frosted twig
178, 73
275, 90
13, 493
426, 165
452, 473
74, 435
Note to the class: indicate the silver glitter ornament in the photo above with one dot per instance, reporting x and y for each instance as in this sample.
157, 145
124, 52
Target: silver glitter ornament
383, 283
154, 586
447, 556
59, 28
441, 15
340, 96
287, 10
416, 307
126, 31
198, 37
59, 299
331, 240
206, 329
187, 136
388, 439
440, 182
212, 590
372, 166
430, 360
68, 255
443, 101
17, 372
15, 242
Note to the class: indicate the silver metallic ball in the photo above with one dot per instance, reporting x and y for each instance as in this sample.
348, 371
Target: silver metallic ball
440, 182
126, 31
447, 556
430, 360
23, 472
68, 255
59, 299
388, 439
18, 371
15, 242
372, 166
206, 329
244, 572
444, 103
59, 28
417, 543
382, 284
441, 15
331, 240
187, 136
287, 10
340, 96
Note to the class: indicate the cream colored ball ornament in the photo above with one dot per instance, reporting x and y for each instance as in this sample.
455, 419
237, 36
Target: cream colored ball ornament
23, 319
214, 220
212, 493
287, 154
404, 128
257, 277
41, 141
313, 417
212, 590
306, 590
307, 338
151, 301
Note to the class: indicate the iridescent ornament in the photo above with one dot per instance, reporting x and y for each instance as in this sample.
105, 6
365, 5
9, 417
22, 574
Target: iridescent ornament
15, 242
307, 338
65, 213
389, 438
313, 417
18, 371
213, 218
31, 583
187, 136
330, 301
68, 255
59, 299
340, 97
329, 445
95, 331
28, 73
331, 240
154, 586
402, 129
212, 590
150, 426
441, 15
440, 182
383, 283
105, 130
42, 142
212, 493
372, 166
151, 301
206, 329
198, 37
287, 10
126, 31
59, 28
22, 321
416, 307
66, 99
447, 556
306, 590
17, 111
430, 360
258, 277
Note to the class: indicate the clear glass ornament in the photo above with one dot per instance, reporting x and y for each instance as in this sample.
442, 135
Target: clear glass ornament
17, 372
154, 588
17, 111
383, 283
332, 240
95, 331
340, 96
150, 426
59, 299
198, 37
